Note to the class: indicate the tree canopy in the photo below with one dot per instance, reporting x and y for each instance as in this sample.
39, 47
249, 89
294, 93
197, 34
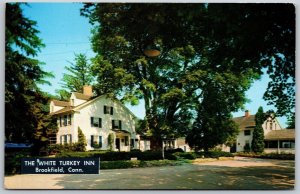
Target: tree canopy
26, 114
214, 50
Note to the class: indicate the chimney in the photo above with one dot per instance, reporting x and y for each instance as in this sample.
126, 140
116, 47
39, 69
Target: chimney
87, 90
247, 113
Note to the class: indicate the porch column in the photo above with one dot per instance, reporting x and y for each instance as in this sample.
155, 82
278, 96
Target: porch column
278, 148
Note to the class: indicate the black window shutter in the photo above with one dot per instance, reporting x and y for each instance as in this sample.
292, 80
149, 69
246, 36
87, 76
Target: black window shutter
92, 140
111, 110
113, 124
100, 141
70, 119
120, 124
70, 138
100, 123
104, 109
60, 121
92, 121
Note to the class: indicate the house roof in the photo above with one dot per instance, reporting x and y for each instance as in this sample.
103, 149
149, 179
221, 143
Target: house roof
181, 141
93, 100
75, 108
245, 122
61, 103
82, 96
285, 134
64, 110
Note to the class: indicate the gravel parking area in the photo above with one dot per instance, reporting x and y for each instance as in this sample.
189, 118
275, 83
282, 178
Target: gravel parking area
240, 173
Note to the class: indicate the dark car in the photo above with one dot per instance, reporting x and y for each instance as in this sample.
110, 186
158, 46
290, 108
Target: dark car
10, 145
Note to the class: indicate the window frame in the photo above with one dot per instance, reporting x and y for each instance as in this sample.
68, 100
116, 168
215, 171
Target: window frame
65, 121
118, 126
246, 134
98, 122
108, 110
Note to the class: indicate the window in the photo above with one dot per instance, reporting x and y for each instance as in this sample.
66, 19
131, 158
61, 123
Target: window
60, 122
65, 120
96, 122
108, 110
247, 132
132, 143
126, 141
117, 124
65, 139
271, 125
70, 120
96, 143
287, 144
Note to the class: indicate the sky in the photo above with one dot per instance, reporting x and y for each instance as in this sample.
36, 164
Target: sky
65, 33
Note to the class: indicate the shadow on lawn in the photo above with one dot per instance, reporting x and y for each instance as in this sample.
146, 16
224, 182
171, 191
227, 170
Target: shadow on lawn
187, 176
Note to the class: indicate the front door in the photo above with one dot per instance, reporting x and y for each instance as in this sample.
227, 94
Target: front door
118, 143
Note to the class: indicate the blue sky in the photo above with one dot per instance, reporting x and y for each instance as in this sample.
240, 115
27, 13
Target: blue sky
65, 33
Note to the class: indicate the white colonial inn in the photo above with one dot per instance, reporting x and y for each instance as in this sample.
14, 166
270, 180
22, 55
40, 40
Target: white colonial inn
100, 119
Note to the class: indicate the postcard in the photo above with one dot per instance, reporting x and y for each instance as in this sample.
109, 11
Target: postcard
150, 96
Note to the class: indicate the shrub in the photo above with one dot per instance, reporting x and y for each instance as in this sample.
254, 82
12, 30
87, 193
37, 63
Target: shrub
186, 155
213, 154
282, 156
132, 164
13, 161
81, 144
150, 155
174, 150
116, 164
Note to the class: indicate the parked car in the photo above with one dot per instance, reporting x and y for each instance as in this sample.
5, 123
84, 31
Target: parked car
11, 145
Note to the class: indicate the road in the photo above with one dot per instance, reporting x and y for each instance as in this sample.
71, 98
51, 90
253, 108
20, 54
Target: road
240, 173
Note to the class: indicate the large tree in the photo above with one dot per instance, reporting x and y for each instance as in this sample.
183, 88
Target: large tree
78, 74
26, 115
226, 45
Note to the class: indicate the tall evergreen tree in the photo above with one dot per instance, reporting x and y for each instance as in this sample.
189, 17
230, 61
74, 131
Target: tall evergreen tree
291, 122
26, 115
79, 74
258, 144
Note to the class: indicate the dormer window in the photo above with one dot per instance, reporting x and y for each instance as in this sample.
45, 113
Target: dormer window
108, 110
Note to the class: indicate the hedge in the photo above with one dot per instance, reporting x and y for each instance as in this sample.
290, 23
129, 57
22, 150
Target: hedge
136, 164
213, 154
115, 156
13, 161
282, 156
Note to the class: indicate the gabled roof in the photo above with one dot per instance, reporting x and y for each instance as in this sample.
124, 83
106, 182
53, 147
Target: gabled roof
64, 110
284, 134
82, 96
245, 122
76, 108
95, 99
61, 103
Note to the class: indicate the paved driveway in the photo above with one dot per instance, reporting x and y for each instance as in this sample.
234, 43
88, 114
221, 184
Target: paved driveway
241, 173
